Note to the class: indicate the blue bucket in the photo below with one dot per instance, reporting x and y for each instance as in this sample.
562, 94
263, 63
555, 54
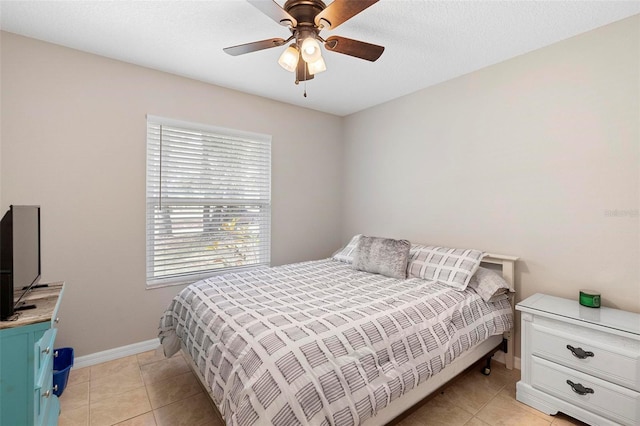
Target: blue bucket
62, 363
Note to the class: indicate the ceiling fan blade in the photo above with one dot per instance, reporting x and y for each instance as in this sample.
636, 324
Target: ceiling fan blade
241, 49
340, 11
275, 12
359, 49
302, 71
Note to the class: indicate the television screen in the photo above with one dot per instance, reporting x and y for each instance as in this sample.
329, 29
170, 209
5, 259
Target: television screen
19, 257
26, 246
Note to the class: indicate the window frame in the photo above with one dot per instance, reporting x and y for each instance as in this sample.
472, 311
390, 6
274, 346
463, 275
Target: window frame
154, 175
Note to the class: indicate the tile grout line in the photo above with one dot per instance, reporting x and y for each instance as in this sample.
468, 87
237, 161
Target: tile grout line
146, 389
89, 399
153, 410
490, 399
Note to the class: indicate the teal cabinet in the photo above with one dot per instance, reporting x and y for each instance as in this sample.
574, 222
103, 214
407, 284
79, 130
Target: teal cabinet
26, 362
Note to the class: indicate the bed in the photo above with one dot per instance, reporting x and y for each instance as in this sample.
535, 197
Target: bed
324, 344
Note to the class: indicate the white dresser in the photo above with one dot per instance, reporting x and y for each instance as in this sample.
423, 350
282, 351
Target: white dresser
584, 362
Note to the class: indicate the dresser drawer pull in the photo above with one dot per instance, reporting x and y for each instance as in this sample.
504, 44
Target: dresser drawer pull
47, 350
579, 352
47, 394
578, 388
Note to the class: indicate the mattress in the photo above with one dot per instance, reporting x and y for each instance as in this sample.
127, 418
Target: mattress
320, 343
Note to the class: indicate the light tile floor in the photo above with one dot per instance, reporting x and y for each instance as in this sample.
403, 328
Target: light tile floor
148, 390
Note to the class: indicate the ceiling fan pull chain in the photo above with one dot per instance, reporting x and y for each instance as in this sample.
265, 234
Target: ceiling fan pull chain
305, 80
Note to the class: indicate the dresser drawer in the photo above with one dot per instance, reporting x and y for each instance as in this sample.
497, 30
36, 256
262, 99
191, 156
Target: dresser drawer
51, 412
606, 399
44, 351
609, 357
43, 392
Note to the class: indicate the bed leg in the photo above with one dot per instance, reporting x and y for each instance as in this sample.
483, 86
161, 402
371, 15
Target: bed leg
510, 352
486, 370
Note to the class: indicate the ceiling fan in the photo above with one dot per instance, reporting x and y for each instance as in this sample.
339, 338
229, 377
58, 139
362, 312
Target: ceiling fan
305, 19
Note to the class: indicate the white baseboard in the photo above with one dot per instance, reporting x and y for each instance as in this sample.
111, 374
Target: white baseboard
499, 356
115, 353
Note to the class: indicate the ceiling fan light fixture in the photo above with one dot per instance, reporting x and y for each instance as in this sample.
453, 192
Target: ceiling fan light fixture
317, 66
311, 50
306, 19
289, 58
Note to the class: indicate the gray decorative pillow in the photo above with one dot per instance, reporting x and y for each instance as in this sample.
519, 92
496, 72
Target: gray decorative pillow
489, 285
453, 267
346, 253
382, 256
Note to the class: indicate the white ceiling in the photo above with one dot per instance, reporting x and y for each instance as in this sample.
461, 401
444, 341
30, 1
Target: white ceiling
426, 42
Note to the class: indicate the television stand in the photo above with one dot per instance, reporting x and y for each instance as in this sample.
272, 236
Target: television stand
27, 351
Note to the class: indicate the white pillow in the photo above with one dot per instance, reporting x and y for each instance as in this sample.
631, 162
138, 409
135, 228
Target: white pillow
450, 266
489, 285
346, 253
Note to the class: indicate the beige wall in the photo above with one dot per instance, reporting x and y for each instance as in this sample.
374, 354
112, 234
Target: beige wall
531, 157
73, 141
536, 157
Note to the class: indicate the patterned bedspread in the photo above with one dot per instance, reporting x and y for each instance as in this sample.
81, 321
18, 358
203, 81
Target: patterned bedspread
320, 343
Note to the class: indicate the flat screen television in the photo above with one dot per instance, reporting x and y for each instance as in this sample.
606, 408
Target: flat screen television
20, 261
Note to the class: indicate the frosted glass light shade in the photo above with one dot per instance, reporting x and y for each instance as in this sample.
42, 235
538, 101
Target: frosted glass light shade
317, 66
289, 58
310, 50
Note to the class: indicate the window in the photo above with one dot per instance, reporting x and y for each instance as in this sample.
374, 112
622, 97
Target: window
208, 200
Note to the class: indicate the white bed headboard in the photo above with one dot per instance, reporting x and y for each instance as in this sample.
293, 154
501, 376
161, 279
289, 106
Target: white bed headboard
508, 265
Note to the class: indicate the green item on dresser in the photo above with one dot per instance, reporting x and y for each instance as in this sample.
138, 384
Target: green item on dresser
590, 298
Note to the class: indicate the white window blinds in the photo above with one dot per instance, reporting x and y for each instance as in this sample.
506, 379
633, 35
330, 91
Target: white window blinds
208, 200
